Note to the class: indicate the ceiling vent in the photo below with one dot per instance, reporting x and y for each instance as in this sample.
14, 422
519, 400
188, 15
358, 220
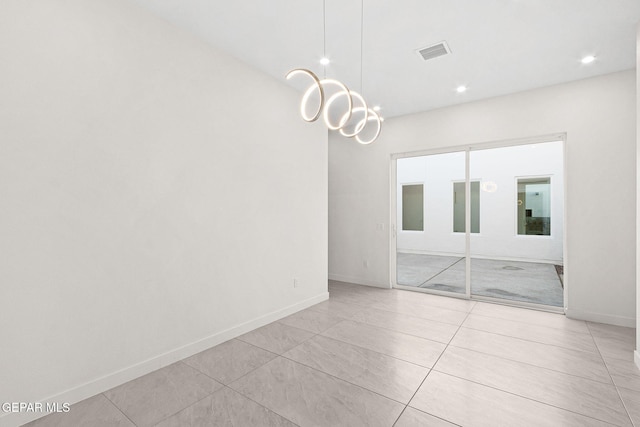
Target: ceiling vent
434, 51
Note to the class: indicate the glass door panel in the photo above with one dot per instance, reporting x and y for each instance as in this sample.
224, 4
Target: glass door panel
517, 254
430, 240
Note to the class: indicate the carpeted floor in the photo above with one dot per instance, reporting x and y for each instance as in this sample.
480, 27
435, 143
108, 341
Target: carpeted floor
519, 281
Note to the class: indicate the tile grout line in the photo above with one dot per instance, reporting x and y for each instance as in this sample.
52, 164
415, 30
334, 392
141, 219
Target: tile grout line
526, 398
408, 291
199, 400
519, 322
528, 324
422, 291
359, 308
214, 379
504, 391
260, 404
417, 318
344, 342
539, 343
342, 379
194, 403
116, 406
376, 351
425, 318
434, 364
427, 304
396, 313
352, 303
612, 383
396, 331
331, 375
315, 334
400, 332
532, 341
226, 385
232, 389
277, 355
531, 364
624, 405
433, 368
364, 348
431, 415
475, 329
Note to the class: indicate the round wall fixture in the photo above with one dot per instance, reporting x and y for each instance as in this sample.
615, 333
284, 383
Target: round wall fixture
489, 186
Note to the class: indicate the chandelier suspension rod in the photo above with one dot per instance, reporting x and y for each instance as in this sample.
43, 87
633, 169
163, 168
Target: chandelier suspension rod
324, 37
328, 105
361, 44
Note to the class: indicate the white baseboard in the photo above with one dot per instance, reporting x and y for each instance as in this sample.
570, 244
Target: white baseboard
610, 319
636, 358
358, 281
122, 376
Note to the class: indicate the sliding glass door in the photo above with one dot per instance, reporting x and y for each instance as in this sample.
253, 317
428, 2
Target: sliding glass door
431, 246
483, 222
518, 254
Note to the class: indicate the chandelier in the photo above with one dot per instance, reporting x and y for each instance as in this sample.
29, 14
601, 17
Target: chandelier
343, 110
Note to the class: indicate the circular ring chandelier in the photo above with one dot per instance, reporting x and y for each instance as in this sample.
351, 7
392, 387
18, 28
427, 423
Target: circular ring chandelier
325, 107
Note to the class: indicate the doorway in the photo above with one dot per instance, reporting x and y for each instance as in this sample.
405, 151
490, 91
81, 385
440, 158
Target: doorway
483, 222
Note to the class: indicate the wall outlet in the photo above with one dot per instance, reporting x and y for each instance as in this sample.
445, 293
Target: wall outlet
365, 263
296, 282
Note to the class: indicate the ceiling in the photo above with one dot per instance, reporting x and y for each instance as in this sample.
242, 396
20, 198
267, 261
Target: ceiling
498, 46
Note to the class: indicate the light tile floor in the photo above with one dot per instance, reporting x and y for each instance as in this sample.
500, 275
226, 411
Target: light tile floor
373, 357
530, 282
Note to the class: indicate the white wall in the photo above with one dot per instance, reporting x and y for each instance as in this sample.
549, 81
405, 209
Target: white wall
436, 173
598, 116
637, 352
498, 236
157, 197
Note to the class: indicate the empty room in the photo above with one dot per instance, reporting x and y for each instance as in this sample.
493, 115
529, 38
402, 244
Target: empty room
319, 213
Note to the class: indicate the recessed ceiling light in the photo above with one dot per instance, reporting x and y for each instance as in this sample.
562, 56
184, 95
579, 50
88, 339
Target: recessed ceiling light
325, 61
588, 59
461, 89
376, 108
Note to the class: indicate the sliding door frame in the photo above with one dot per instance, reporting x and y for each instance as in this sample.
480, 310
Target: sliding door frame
467, 149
